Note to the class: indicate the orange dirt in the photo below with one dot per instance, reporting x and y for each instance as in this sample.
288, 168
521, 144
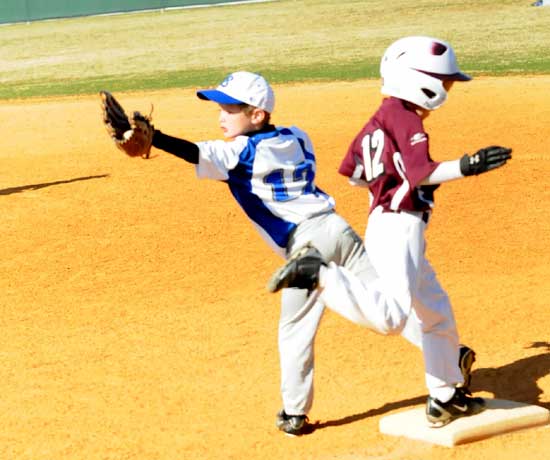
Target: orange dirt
135, 319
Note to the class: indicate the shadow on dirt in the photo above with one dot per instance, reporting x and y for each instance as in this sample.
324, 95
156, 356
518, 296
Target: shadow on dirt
23, 188
516, 381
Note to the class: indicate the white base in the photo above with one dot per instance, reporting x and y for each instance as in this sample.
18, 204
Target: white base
501, 416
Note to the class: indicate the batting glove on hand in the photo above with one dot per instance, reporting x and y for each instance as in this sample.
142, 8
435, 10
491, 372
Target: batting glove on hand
484, 160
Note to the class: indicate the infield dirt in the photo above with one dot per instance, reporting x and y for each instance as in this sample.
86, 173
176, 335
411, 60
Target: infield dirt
135, 319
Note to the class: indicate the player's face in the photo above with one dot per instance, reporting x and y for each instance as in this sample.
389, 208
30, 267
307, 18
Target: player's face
234, 121
448, 84
424, 113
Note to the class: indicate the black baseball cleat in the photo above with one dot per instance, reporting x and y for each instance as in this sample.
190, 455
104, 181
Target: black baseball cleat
293, 425
466, 359
301, 270
460, 405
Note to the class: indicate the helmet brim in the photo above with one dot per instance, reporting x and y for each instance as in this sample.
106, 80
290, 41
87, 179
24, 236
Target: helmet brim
458, 76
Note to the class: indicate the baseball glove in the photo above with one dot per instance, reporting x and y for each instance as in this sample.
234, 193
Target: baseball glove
134, 136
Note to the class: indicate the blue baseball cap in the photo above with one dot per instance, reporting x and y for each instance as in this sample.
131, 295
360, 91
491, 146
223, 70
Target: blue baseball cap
242, 88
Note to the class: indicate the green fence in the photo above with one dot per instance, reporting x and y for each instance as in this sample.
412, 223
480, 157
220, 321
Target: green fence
32, 10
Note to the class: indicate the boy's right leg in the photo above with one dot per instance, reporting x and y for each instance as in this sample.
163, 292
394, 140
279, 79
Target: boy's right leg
448, 364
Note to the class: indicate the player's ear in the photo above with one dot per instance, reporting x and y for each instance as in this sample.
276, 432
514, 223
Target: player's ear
258, 115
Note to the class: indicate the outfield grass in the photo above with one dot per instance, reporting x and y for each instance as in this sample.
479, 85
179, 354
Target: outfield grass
285, 40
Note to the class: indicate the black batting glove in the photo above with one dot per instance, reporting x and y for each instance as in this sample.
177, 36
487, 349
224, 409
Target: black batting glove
484, 160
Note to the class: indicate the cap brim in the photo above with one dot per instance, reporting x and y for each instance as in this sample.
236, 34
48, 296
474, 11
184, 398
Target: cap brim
217, 96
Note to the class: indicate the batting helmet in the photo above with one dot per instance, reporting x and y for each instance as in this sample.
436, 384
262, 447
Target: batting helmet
414, 68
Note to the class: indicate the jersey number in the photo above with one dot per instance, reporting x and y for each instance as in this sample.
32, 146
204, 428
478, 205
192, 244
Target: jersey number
302, 173
373, 147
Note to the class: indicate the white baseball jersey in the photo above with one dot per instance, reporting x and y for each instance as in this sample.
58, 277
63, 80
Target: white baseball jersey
271, 174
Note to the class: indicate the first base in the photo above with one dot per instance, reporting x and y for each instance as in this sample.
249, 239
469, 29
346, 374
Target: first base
501, 416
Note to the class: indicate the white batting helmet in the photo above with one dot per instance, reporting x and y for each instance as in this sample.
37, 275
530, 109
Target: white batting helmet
414, 68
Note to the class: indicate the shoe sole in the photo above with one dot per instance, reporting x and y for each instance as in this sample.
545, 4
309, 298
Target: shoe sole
276, 281
290, 435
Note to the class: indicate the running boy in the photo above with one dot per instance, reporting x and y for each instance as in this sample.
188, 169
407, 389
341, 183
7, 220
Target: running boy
390, 155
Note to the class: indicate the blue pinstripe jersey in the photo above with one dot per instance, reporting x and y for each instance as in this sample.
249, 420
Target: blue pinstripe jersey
272, 176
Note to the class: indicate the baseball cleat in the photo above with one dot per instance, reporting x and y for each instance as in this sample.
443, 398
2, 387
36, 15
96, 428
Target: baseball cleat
293, 425
460, 405
466, 359
301, 270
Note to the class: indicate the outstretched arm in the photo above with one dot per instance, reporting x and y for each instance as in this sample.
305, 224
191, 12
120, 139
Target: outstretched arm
480, 162
181, 148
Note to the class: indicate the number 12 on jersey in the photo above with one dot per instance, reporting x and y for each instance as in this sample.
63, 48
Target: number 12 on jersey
373, 147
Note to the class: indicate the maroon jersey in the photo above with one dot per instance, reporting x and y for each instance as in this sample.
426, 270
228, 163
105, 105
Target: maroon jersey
391, 153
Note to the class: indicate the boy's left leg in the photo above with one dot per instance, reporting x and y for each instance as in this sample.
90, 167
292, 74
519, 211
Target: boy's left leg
298, 324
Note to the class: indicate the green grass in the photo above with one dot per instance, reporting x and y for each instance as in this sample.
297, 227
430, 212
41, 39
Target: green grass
285, 40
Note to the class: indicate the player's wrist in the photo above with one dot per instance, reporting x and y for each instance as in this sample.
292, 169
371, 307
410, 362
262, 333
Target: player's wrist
467, 165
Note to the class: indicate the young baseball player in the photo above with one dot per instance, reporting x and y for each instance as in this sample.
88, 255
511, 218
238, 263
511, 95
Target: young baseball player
390, 155
270, 171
